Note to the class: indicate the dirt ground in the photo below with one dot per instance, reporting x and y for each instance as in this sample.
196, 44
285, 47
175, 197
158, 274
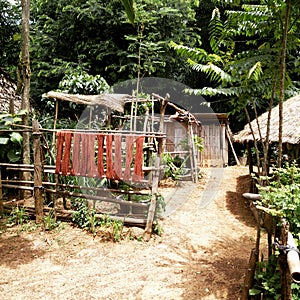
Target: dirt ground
202, 254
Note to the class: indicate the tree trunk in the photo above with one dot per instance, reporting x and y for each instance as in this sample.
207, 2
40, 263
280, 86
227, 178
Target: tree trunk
282, 78
24, 76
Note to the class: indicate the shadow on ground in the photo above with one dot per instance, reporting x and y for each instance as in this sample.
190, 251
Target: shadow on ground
17, 250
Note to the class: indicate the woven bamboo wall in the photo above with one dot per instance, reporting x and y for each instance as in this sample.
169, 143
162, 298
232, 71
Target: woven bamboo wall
215, 153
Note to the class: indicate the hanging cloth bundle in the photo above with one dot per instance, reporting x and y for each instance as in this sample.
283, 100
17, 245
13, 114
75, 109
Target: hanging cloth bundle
129, 150
118, 157
139, 158
63, 146
81, 161
100, 139
138, 161
83, 157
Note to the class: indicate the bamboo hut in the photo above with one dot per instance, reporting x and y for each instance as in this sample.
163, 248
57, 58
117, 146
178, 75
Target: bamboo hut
216, 138
9, 101
290, 128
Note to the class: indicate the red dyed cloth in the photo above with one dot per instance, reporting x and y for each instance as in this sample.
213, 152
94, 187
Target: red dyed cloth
76, 153
59, 151
65, 166
63, 146
92, 170
100, 138
118, 157
129, 150
109, 157
139, 159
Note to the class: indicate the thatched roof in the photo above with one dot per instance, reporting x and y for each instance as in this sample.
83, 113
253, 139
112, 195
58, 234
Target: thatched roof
291, 124
8, 93
114, 101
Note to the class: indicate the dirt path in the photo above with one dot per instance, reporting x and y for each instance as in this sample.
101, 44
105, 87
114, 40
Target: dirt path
202, 254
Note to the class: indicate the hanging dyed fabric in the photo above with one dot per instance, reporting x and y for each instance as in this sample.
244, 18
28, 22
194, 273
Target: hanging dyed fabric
76, 154
100, 138
129, 149
118, 157
109, 158
63, 146
65, 169
139, 159
91, 165
59, 151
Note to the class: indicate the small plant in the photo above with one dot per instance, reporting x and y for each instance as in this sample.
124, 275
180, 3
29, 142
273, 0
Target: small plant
115, 225
157, 229
172, 170
160, 205
86, 218
18, 216
49, 221
81, 215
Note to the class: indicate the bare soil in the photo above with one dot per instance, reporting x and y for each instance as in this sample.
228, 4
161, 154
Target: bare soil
202, 254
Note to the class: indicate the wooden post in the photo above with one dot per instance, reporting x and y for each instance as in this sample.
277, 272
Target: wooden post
285, 278
1, 195
37, 190
152, 207
248, 282
54, 125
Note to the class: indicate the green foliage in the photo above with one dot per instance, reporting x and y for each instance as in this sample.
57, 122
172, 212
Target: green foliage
282, 196
267, 279
243, 67
129, 8
10, 141
84, 84
157, 229
96, 37
86, 218
172, 169
10, 14
18, 216
50, 221
160, 206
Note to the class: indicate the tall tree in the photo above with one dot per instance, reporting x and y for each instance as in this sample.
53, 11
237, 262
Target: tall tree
24, 79
9, 36
96, 37
248, 75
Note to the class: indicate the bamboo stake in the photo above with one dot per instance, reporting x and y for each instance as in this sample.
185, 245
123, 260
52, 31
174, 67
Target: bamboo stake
54, 125
37, 192
1, 195
152, 208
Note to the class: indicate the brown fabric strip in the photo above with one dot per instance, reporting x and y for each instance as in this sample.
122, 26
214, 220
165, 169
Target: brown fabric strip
92, 168
129, 149
139, 159
66, 153
118, 157
76, 153
59, 149
100, 138
109, 161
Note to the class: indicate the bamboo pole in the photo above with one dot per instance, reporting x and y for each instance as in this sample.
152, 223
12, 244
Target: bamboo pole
1, 195
152, 207
233, 151
37, 191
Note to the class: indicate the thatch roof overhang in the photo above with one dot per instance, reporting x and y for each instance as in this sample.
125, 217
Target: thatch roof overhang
290, 126
113, 101
8, 93
117, 102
